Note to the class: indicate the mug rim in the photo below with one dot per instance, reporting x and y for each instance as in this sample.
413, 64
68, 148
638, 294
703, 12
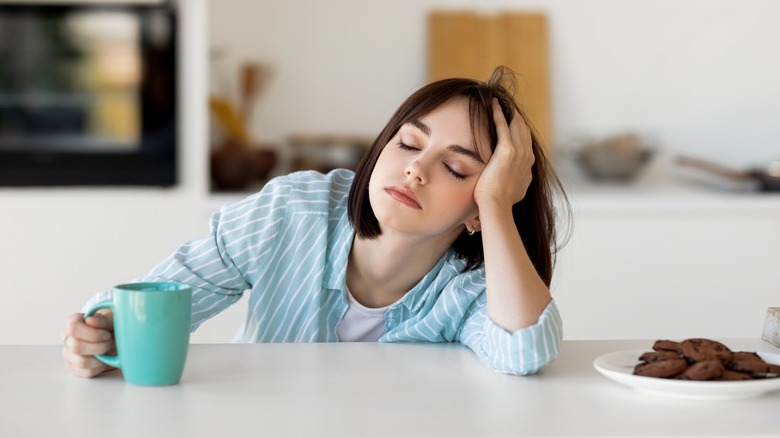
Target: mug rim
153, 286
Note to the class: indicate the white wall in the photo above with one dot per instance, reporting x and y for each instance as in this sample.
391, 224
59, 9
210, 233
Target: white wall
60, 246
699, 73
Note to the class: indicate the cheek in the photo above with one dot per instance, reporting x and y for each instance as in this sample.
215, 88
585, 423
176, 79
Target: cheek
466, 195
384, 160
379, 179
458, 199
376, 175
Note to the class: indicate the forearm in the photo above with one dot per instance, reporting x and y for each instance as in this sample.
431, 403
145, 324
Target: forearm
516, 295
521, 352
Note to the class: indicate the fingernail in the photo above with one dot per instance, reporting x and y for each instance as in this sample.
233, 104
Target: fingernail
106, 336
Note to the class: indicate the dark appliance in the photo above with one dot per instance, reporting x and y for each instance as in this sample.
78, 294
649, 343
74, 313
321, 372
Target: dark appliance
88, 94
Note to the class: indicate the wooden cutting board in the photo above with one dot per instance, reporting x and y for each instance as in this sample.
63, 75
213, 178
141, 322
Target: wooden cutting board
468, 44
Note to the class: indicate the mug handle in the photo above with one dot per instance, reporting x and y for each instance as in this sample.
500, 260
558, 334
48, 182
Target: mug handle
105, 358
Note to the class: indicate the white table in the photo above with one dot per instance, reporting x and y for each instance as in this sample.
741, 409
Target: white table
361, 390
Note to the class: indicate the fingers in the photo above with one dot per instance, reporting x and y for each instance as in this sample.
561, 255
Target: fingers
83, 340
515, 150
517, 132
521, 133
82, 347
103, 319
502, 130
94, 329
83, 366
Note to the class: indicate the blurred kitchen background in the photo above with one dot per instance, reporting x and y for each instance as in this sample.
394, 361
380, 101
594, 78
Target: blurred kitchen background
660, 117
693, 78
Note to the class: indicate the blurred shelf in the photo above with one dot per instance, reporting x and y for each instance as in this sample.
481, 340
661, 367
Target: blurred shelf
668, 195
663, 187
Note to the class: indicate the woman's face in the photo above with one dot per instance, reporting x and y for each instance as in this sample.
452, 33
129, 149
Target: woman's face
423, 182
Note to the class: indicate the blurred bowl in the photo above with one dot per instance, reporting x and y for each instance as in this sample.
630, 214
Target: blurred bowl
619, 158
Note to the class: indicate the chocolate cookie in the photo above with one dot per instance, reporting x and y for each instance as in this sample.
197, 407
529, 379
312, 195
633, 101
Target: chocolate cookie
747, 356
710, 369
729, 375
655, 356
699, 349
702, 359
667, 345
753, 367
662, 368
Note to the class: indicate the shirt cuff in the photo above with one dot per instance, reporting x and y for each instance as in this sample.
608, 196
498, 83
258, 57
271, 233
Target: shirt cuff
526, 350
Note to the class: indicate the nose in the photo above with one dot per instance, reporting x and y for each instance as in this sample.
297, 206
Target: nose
416, 171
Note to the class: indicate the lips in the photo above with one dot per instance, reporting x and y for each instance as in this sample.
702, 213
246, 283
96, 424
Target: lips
404, 195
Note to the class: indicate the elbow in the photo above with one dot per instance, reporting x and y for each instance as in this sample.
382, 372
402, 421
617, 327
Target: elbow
527, 368
521, 353
524, 351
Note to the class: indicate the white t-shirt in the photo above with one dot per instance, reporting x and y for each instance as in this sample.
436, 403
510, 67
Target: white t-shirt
361, 323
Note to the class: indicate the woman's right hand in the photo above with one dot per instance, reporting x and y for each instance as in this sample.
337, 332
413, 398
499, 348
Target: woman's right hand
83, 339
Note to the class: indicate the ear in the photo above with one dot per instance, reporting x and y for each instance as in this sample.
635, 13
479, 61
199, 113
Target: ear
474, 224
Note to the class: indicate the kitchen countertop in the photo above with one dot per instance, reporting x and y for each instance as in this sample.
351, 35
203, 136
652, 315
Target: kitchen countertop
363, 389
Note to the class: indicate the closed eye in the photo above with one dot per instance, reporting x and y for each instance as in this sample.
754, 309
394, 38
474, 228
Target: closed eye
406, 147
455, 174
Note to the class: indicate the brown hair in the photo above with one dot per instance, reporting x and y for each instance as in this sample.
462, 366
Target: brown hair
534, 215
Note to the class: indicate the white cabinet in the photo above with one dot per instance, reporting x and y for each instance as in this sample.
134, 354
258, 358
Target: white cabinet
669, 263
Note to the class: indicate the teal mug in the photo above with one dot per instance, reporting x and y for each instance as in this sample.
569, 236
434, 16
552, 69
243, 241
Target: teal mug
151, 331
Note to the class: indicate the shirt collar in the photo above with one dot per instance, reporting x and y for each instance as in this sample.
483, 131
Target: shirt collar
420, 293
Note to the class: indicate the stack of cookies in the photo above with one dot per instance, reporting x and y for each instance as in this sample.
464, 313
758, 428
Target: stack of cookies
702, 359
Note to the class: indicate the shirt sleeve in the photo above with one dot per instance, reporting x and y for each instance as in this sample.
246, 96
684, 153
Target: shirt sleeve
219, 265
521, 352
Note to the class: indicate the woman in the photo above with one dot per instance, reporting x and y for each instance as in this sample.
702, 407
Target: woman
444, 233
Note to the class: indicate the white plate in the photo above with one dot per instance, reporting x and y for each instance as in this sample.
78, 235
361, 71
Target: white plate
619, 366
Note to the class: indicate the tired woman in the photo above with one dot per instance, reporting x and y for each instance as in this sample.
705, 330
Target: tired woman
444, 233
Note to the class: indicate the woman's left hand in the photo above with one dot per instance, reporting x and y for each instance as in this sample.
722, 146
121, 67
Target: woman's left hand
507, 175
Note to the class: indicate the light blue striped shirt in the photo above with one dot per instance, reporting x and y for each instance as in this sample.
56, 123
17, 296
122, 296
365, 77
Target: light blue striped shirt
288, 245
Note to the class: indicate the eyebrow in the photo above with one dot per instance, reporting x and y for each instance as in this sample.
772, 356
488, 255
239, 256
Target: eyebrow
425, 129
467, 152
421, 126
